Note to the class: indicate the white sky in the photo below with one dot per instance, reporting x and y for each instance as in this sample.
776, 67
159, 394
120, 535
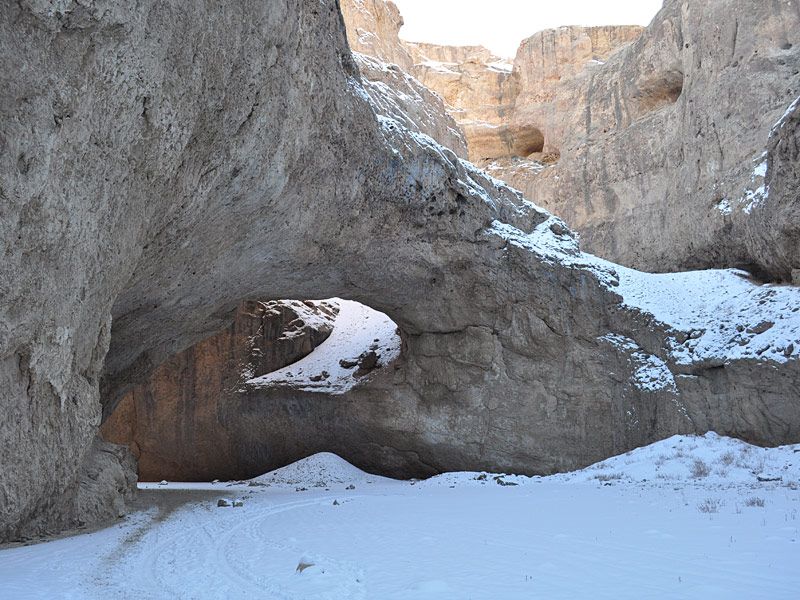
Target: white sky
501, 25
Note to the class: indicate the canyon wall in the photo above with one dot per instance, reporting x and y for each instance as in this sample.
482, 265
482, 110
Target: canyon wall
622, 130
665, 162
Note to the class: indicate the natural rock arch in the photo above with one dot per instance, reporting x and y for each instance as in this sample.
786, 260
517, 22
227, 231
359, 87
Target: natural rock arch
140, 217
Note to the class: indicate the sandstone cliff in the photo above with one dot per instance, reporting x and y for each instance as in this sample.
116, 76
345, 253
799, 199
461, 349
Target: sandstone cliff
668, 137
373, 28
480, 90
140, 208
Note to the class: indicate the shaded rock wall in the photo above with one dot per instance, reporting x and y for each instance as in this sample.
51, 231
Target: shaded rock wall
176, 423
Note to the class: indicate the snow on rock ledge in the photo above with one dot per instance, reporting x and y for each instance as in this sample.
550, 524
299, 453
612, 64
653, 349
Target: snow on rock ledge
713, 316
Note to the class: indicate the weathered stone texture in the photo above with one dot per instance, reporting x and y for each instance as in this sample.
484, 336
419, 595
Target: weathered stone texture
160, 165
179, 423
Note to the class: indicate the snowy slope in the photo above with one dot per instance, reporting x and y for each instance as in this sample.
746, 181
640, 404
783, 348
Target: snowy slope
653, 523
357, 329
714, 315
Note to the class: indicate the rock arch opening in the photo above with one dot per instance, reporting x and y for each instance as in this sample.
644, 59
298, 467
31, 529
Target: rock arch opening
658, 91
211, 411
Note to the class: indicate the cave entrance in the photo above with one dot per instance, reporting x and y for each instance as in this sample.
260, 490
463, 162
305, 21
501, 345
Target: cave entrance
234, 405
527, 140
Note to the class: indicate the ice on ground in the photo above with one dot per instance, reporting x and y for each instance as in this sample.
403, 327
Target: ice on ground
358, 329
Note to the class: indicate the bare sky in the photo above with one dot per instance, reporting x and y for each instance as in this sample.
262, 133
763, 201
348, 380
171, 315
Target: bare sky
501, 25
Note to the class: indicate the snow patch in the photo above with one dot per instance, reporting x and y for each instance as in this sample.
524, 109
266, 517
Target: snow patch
712, 316
782, 121
651, 374
724, 206
319, 470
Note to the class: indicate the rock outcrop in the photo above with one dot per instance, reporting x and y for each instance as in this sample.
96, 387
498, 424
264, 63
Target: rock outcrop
773, 226
546, 65
479, 88
624, 130
373, 28
402, 97
160, 166
662, 164
176, 423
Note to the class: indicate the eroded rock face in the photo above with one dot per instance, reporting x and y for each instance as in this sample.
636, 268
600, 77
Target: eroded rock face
125, 127
669, 136
544, 67
262, 171
403, 98
661, 130
177, 423
479, 88
373, 28
773, 227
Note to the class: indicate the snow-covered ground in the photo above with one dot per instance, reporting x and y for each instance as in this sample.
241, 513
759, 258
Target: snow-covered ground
688, 517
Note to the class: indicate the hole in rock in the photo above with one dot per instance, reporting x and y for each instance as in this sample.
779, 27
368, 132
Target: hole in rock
527, 140
658, 91
253, 396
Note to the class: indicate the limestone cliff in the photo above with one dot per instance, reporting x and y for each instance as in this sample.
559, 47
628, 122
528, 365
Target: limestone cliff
662, 129
480, 90
402, 97
669, 137
373, 28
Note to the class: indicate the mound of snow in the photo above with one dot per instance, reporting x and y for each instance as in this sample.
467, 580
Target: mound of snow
318, 470
709, 460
